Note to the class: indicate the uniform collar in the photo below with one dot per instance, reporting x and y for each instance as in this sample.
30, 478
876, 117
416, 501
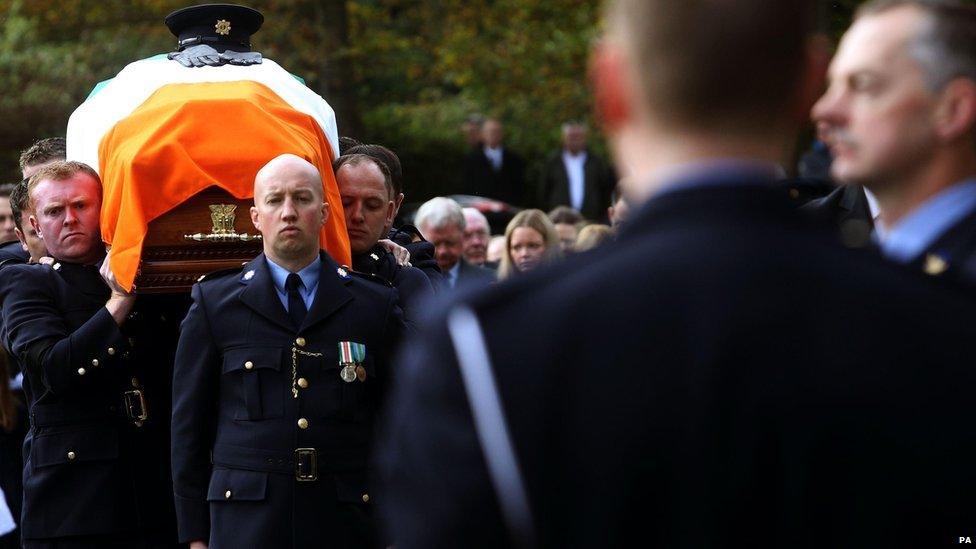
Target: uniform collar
258, 291
919, 230
309, 274
715, 172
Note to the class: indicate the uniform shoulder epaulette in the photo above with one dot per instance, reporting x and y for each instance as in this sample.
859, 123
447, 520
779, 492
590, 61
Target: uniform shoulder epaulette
368, 276
220, 273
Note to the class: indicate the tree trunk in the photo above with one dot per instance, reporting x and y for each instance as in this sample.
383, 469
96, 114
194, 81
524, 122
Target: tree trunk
334, 72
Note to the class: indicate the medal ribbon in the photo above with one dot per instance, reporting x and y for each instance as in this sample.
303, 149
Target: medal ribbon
351, 352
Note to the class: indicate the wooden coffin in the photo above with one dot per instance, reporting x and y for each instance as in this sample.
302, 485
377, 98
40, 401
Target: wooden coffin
209, 232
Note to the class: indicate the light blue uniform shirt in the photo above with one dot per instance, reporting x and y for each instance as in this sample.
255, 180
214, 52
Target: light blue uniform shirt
919, 230
310, 282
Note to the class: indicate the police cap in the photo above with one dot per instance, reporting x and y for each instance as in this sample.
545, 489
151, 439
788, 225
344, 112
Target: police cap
221, 26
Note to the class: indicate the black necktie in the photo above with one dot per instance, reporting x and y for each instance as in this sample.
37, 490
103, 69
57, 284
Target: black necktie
296, 305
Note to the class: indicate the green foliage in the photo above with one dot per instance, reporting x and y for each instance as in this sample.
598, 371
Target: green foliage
412, 70
404, 73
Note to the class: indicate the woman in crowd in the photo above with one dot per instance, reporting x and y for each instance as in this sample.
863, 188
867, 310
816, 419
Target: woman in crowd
592, 236
530, 241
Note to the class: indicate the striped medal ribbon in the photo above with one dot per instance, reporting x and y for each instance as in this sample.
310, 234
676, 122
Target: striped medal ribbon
351, 357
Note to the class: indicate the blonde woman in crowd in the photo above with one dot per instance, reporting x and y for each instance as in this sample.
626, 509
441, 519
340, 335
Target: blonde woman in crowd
530, 241
592, 236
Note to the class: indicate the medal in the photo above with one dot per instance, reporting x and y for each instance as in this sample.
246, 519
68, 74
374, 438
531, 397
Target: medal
351, 357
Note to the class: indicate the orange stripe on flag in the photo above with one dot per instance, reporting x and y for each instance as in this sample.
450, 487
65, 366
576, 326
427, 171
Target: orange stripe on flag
187, 137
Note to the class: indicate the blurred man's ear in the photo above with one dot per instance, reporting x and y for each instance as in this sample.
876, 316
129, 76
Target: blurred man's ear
955, 116
609, 80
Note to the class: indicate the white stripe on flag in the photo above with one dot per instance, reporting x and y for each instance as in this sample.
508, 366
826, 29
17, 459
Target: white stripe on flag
119, 97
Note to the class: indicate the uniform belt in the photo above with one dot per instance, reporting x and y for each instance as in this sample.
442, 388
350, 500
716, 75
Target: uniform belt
304, 463
51, 415
132, 407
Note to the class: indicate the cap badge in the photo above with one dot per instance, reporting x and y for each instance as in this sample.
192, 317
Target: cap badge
249, 275
222, 27
375, 257
342, 272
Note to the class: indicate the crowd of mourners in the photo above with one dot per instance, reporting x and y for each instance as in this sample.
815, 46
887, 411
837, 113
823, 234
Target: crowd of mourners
703, 351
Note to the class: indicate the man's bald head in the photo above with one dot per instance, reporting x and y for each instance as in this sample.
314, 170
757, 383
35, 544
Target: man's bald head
289, 210
288, 166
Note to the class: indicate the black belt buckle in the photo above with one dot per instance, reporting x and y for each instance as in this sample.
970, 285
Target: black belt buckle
306, 465
135, 405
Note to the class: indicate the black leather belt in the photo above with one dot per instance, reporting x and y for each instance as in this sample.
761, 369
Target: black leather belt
305, 464
133, 408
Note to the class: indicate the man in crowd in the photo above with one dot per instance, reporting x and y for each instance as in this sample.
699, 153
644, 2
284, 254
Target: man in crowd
494, 170
476, 236
441, 221
567, 222
900, 117
576, 177
725, 374
367, 203
279, 370
471, 131
64, 324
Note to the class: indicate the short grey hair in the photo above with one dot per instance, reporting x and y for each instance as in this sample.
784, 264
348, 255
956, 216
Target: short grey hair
946, 48
475, 213
438, 213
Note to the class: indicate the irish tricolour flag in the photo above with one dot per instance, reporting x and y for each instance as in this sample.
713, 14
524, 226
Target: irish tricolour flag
159, 132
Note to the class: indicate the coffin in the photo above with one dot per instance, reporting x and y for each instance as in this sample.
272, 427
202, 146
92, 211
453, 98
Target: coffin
209, 232
177, 150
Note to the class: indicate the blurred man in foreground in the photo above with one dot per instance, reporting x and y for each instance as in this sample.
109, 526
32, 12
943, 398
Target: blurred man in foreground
724, 374
900, 117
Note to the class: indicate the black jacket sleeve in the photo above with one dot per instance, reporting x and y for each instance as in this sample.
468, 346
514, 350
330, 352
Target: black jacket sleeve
195, 384
39, 335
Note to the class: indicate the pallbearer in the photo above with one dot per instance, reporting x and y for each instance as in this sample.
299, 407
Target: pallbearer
280, 368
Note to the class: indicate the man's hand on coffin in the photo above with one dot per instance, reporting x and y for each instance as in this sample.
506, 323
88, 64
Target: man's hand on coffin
197, 56
121, 302
241, 57
401, 254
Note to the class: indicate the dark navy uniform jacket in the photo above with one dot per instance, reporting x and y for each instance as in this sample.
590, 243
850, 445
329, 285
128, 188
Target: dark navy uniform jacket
413, 287
80, 471
250, 389
13, 252
724, 375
